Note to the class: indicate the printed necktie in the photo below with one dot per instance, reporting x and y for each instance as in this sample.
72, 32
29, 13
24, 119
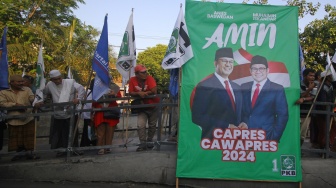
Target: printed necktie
228, 90
255, 95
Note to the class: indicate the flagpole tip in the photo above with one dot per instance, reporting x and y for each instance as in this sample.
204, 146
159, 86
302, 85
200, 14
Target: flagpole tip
180, 5
132, 10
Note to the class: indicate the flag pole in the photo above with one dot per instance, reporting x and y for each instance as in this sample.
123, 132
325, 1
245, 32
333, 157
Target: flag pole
178, 103
85, 97
43, 82
313, 103
128, 110
128, 100
82, 106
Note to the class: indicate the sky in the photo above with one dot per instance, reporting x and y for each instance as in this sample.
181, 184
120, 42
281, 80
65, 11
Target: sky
153, 19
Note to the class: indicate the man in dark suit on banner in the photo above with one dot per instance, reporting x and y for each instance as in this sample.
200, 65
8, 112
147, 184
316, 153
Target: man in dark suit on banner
216, 101
265, 104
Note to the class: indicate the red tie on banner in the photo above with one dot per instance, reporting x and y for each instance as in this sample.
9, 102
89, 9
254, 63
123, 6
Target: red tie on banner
228, 90
255, 95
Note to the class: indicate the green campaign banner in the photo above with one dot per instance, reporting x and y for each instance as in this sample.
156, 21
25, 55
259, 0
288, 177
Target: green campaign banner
238, 118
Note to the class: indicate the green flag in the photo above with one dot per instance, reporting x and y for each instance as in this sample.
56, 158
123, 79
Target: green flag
40, 80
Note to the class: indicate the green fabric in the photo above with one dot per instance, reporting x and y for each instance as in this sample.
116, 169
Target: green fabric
203, 19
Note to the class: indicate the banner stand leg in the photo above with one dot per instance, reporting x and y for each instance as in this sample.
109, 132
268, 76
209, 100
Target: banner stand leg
177, 183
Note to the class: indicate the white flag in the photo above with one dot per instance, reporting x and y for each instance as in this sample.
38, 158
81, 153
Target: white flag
24, 72
179, 49
329, 66
40, 80
69, 74
334, 57
127, 54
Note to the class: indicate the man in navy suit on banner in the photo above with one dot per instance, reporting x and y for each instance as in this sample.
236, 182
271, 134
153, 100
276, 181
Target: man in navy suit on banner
265, 103
216, 101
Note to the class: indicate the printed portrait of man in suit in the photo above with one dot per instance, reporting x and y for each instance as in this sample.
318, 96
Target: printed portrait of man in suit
264, 102
216, 101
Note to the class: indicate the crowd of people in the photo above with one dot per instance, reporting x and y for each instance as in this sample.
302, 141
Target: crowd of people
98, 128
317, 86
240, 109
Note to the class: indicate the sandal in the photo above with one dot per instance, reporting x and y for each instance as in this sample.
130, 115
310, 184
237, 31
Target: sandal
107, 150
101, 152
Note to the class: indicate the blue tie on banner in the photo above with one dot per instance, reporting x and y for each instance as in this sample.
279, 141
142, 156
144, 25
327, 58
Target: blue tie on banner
100, 65
4, 62
173, 84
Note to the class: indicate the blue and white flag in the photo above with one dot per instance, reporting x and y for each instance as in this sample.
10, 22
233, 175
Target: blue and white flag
127, 54
100, 64
4, 62
40, 79
174, 82
179, 49
301, 62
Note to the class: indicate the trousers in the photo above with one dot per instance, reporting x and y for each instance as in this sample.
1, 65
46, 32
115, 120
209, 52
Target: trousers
304, 127
150, 116
105, 134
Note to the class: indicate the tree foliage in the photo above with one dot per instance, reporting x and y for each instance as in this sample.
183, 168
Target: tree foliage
66, 40
305, 7
319, 38
152, 59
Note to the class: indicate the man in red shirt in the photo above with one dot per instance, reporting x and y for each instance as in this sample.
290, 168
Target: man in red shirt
143, 85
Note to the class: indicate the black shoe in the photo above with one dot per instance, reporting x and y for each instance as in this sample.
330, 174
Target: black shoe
150, 145
141, 148
32, 157
17, 157
61, 154
20, 148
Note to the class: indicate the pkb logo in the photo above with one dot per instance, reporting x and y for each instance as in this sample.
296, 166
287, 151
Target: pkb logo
288, 165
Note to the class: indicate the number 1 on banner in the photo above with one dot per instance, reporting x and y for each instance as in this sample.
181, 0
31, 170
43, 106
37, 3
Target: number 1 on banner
275, 166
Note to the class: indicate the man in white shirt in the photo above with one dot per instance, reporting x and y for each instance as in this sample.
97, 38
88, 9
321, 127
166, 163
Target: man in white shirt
62, 90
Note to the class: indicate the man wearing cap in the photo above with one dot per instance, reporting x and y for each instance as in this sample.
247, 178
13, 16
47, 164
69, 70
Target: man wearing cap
265, 104
21, 130
62, 90
143, 85
216, 101
326, 94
